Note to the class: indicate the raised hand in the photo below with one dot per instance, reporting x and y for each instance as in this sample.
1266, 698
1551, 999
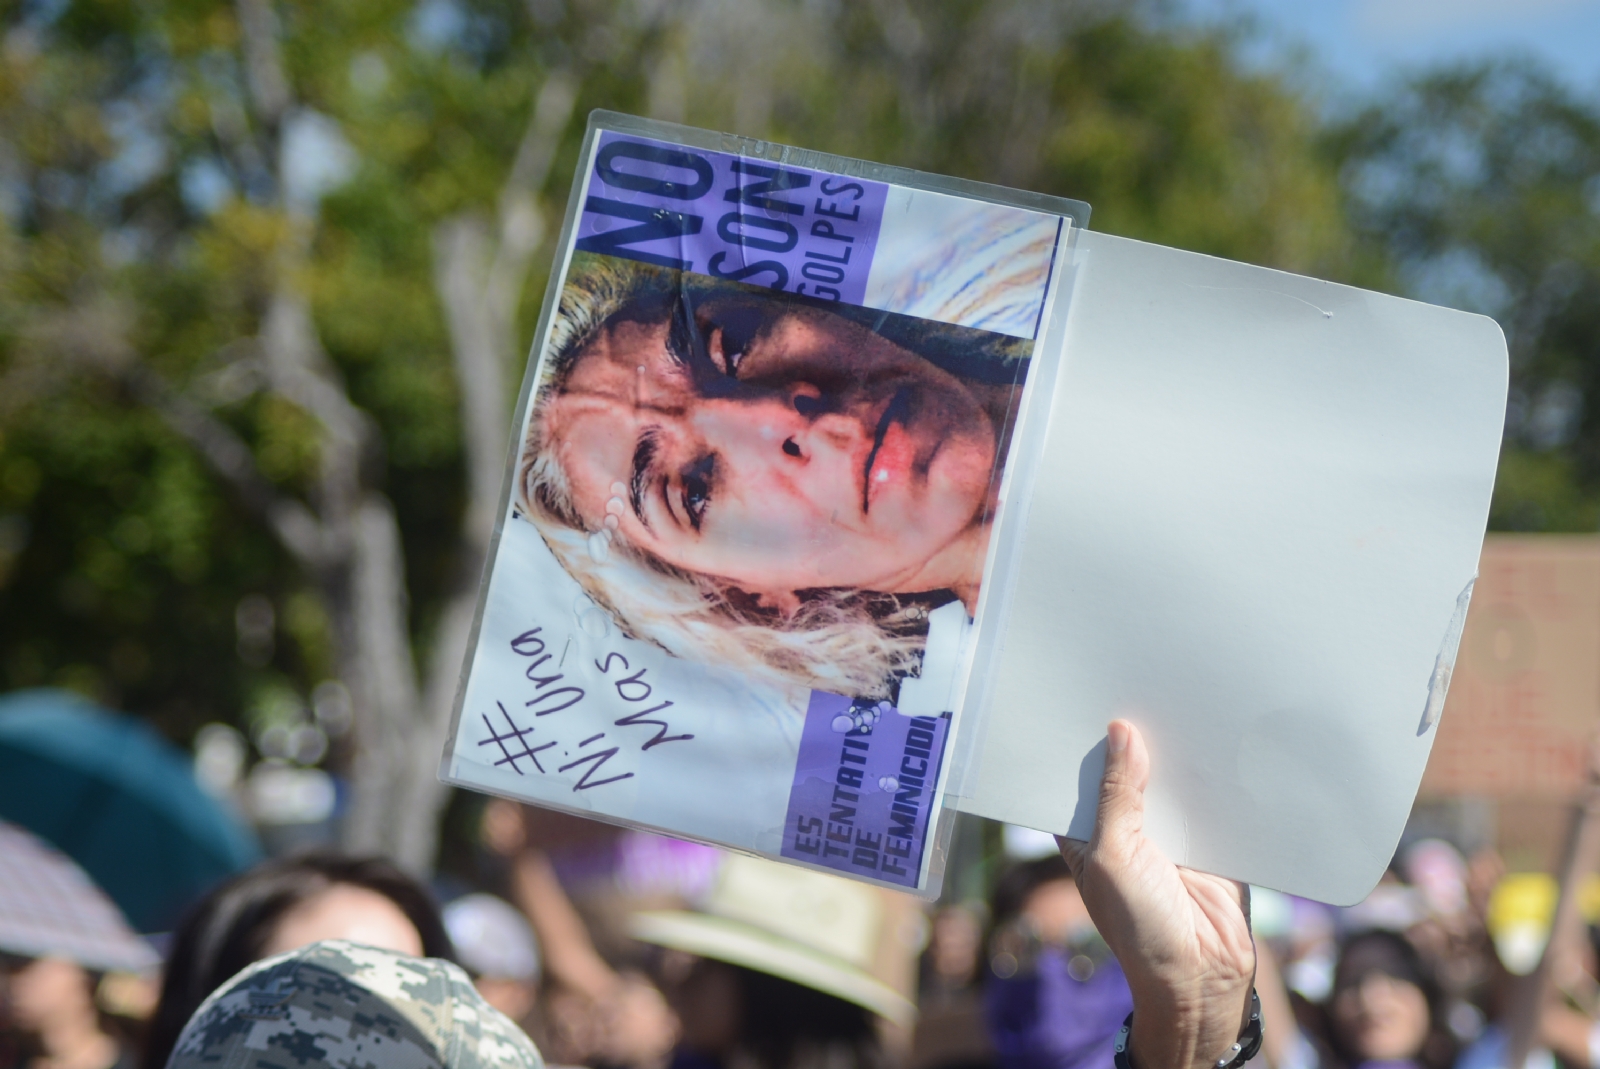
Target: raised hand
1182, 937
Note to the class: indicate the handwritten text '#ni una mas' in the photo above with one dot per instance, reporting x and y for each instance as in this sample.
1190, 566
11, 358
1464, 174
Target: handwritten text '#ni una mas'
528, 743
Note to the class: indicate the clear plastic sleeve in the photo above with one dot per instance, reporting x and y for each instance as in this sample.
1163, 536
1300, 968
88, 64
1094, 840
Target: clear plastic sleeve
776, 421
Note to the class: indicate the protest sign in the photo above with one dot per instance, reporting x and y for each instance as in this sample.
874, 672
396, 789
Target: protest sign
762, 451
843, 496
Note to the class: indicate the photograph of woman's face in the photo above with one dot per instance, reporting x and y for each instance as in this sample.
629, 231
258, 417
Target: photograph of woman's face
779, 447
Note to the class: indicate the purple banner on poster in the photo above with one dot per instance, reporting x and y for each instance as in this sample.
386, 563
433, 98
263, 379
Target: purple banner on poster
756, 221
863, 795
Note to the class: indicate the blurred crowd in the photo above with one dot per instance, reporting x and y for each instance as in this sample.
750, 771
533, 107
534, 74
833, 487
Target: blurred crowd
615, 948
1426, 973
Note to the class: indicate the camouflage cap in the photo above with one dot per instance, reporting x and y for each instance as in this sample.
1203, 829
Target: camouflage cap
347, 1006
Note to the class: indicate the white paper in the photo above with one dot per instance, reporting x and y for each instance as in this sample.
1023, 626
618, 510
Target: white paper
720, 788
1260, 501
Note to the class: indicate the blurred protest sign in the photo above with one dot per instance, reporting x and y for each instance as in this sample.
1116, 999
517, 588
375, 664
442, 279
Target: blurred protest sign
1525, 697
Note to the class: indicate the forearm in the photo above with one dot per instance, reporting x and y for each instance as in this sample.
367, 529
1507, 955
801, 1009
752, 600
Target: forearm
1568, 1034
569, 954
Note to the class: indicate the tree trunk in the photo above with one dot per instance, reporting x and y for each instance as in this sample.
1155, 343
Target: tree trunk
361, 577
346, 537
388, 712
479, 280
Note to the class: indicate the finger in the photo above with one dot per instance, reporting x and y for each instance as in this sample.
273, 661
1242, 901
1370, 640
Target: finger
1076, 853
1120, 817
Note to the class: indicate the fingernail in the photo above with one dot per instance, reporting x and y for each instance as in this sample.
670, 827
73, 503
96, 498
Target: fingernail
1116, 736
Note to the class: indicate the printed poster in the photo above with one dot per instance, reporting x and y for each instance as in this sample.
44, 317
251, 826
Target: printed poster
754, 490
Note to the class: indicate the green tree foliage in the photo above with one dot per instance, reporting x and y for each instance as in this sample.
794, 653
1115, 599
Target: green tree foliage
163, 190
122, 560
1482, 187
1159, 126
142, 227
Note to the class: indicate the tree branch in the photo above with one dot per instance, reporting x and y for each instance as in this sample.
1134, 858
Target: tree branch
390, 727
300, 370
269, 89
521, 224
479, 288
296, 529
460, 264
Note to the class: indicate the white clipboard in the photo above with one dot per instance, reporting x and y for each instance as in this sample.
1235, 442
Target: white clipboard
1252, 530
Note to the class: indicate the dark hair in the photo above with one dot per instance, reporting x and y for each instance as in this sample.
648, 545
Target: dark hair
1019, 880
1403, 962
231, 927
785, 1025
633, 291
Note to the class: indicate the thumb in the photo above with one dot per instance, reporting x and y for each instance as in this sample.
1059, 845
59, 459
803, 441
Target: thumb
1120, 817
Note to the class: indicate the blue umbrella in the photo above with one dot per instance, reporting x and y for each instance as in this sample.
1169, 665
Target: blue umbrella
118, 799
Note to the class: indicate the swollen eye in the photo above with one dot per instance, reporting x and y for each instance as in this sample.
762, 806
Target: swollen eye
723, 353
806, 405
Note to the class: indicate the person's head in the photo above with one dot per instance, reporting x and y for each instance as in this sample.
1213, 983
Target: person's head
1385, 1004
278, 906
50, 1013
339, 1005
955, 947
38, 990
736, 1014
1042, 893
1036, 908
772, 446
705, 457
50, 1000
779, 965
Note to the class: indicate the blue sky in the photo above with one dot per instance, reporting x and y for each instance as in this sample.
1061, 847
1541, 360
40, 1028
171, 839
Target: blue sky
1357, 44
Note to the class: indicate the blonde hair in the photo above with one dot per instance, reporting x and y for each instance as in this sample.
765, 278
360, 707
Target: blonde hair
852, 642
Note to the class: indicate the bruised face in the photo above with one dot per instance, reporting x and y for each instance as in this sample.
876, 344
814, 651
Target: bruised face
778, 450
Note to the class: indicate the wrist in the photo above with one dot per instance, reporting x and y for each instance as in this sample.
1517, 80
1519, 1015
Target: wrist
1171, 1041
1169, 1034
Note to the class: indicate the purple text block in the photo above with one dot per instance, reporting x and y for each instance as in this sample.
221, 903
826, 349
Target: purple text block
864, 788
761, 222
